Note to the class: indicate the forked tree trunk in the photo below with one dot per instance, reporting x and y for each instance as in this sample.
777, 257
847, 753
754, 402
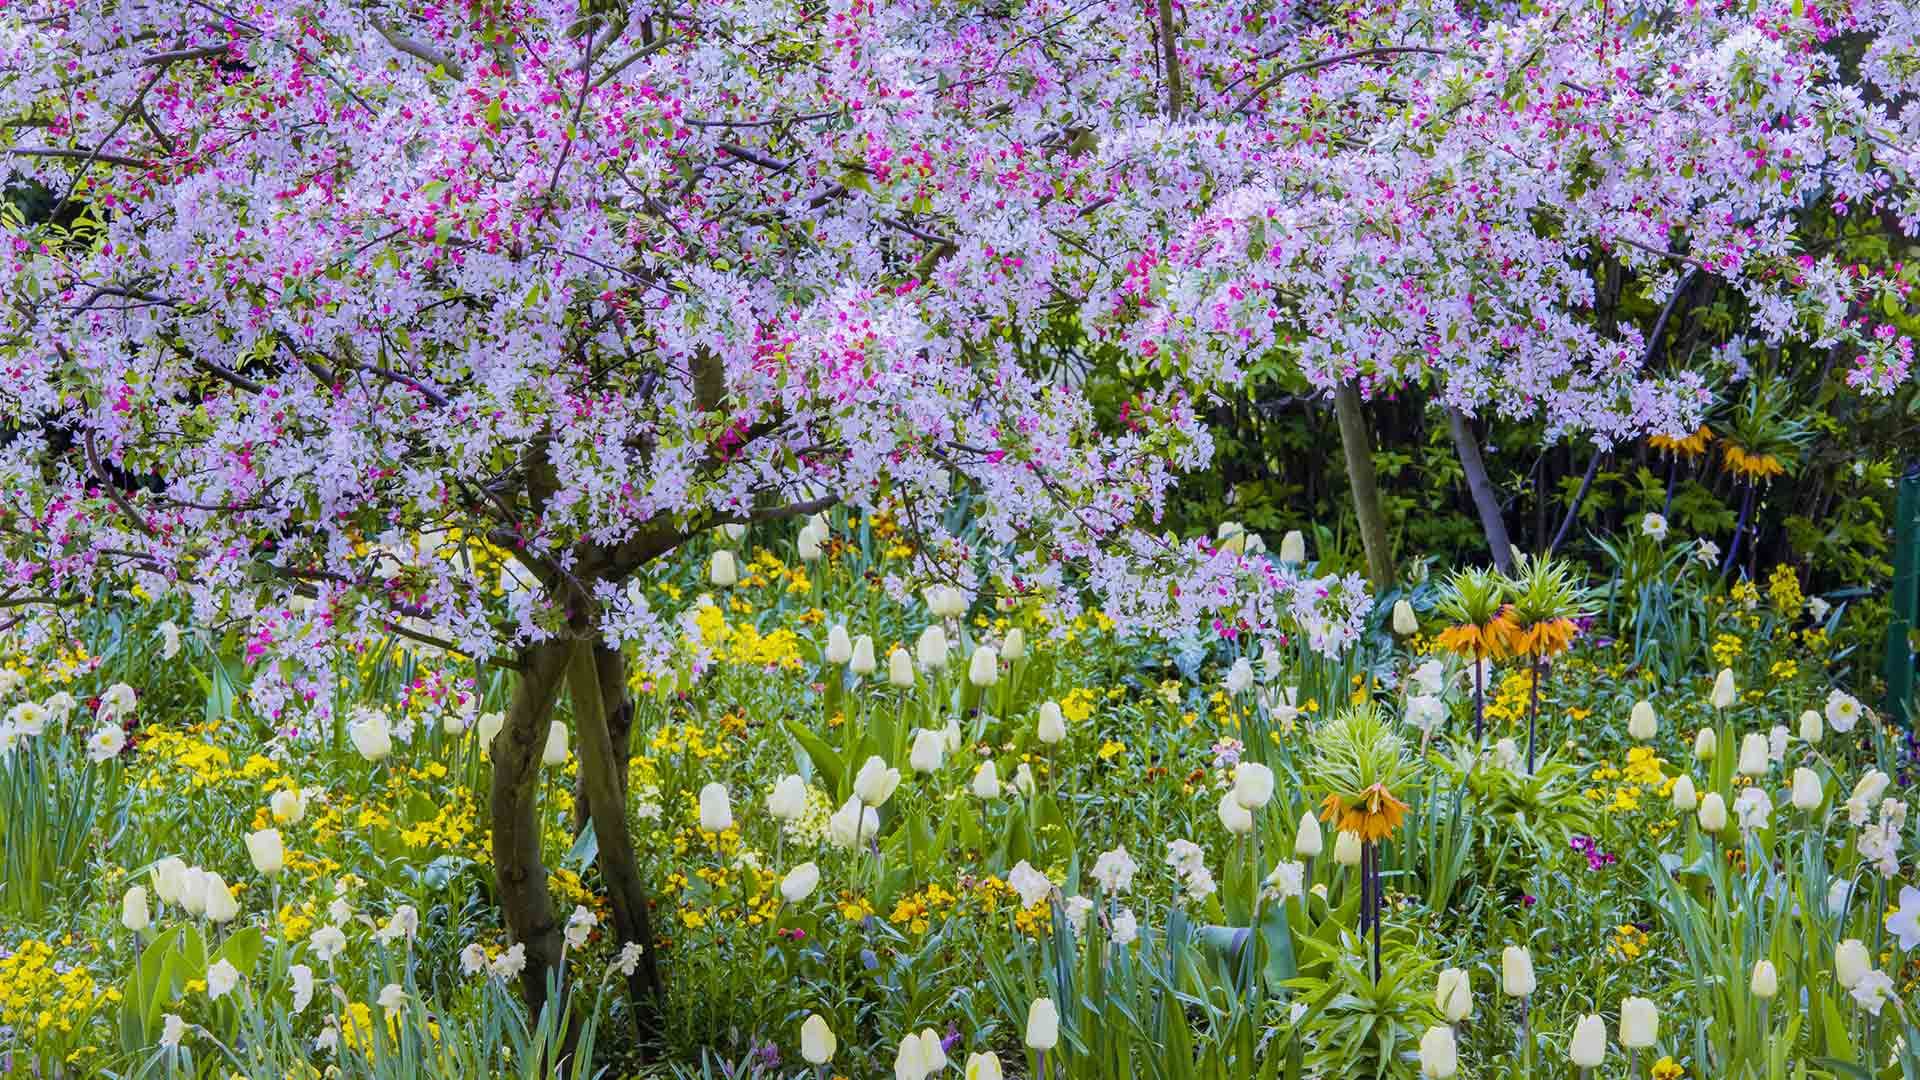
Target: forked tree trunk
1480, 485
1366, 489
519, 874
597, 681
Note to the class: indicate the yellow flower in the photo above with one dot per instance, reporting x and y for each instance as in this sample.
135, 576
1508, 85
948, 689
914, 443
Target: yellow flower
1665, 1069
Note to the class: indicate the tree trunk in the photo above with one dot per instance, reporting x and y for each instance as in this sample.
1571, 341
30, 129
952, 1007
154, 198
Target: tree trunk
1580, 496
1366, 490
1481, 487
519, 874
602, 775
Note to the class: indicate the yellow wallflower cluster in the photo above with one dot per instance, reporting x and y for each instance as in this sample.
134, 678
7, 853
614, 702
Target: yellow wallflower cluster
44, 999
1783, 589
1629, 943
914, 911
690, 739
1509, 700
1644, 773
186, 756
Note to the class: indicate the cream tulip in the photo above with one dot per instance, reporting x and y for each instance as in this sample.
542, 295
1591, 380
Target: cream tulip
1588, 1047
1723, 692
799, 882
1807, 792
288, 806
1043, 1025
1453, 995
839, 644
1685, 798
555, 750
874, 784
133, 909
1237, 819
1812, 727
169, 877
1014, 647
1639, 1023
716, 809
1439, 1053
1753, 755
1293, 547
220, 904
1713, 812
983, 667
1642, 724
1052, 727
1252, 784
265, 849
1307, 842
788, 799
986, 781
1705, 744
863, 662
1516, 971
817, 1042
1405, 622
1851, 963
1346, 849
931, 649
929, 750
1765, 983
372, 735
900, 668
984, 1066
722, 570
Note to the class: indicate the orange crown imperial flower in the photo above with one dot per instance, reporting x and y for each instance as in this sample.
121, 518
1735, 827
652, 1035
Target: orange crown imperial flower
1690, 445
1548, 637
1751, 466
1375, 815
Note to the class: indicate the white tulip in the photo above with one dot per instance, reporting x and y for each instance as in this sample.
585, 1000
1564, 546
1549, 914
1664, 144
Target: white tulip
372, 735
1346, 849
931, 649
133, 909
1439, 1054
839, 644
900, 668
808, 544
1589, 1046
984, 1067
1015, 645
1516, 971
722, 570
852, 824
1023, 779
169, 878
1807, 792
1239, 676
1639, 1023
716, 809
555, 750
288, 806
874, 783
986, 781
1851, 963
1043, 1025
1706, 744
1293, 547
1453, 995
1237, 819
800, 882
1052, 728
1642, 724
929, 751
788, 799
1811, 727
1766, 981
863, 662
1307, 842
220, 904
1713, 812
817, 1042
1723, 693
1753, 755
1405, 622
983, 667
265, 849
488, 727
1252, 784
1685, 798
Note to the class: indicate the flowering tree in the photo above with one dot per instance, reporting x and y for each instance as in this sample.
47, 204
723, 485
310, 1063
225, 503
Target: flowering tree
310, 306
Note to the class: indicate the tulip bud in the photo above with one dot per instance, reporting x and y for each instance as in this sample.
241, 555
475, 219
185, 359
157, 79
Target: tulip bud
1705, 744
863, 662
984, 1067
555, 751
1346, 849
220, 904
1015, 646
1239, 676
1023, 779
1807, 794
1723, 693
808, 544
1642, 724
288, 806
1516, 971
1307, 842
1237, 819
1766, 981
1713, 812
1812, 727
372, 735
1252, 784
268, 855
788, 799
1405, 622
932, 647
193, 890
1453, 995
1052, 728
1589, 1046
874, 783
1043, 1025
169, 878
983, 668
817, 1042
488, 727
1850, 963
900, 668
1639, 1023
800, 882
723, 571
839, 644
1439, 1054
1293, 547
929, 750
716, 809
1685, 798
1753, 755
133, 909
986, 781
